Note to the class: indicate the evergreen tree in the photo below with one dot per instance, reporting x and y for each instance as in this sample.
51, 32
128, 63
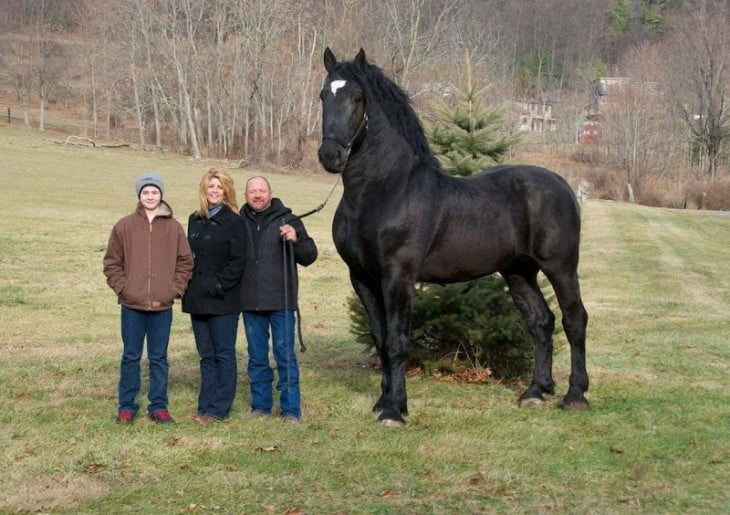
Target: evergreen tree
467, 136
538, 72
621, 17
475, 323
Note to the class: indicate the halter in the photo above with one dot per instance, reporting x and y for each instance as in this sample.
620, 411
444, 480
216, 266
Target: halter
348, 148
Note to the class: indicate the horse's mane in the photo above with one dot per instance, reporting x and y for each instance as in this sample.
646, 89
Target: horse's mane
394, 102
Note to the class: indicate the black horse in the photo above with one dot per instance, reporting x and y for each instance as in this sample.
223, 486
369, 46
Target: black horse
402, 220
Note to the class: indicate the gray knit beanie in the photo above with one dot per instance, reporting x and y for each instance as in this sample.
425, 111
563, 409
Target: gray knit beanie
149, 179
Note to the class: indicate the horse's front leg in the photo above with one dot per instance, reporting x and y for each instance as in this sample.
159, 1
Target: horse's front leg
372, 301
398, 300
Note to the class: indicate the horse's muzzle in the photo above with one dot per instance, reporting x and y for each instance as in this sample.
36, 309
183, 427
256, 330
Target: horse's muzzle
332, 156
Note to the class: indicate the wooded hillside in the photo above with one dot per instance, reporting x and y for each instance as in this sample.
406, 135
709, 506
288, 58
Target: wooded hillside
240, 78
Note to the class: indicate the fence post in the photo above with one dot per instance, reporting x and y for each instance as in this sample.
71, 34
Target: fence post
582, 194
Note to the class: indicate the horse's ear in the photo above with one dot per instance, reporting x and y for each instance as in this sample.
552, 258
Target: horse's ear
330, 61
360, 60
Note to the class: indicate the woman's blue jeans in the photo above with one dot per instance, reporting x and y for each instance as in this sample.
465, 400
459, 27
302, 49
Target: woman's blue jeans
155, 325
215, 338
260, 374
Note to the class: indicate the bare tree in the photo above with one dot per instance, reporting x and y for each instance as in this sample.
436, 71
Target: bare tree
306, 47
143, 23
182, 26
92, 56
636, 123
43, 48
700, 86
217, 92
18, 60
133, 48
416, 30
263, 24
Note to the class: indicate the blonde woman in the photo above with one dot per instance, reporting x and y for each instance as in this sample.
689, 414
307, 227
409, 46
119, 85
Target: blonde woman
213, 297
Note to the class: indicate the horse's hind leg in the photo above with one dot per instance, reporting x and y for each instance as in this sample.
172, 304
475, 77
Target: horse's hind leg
540, 323
575, 321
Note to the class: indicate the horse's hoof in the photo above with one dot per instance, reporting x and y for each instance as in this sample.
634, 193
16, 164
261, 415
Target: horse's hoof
389, 422
531, 402
391, 418
378, 406
578, 405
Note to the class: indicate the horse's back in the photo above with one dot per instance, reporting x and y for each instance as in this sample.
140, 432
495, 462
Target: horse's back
537, 178
488, 220
528, 191
539, 196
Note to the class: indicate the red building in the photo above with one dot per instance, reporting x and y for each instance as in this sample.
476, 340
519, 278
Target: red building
590, 132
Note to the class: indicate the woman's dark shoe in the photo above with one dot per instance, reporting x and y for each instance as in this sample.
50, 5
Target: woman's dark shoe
202, 418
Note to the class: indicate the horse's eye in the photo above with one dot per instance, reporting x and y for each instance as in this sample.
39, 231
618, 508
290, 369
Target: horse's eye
321, 94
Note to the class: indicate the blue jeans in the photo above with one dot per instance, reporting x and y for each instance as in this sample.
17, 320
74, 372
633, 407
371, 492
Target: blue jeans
215, 338
260, 373
155, 325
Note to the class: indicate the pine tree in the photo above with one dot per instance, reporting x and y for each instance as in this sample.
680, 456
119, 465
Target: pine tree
467, 136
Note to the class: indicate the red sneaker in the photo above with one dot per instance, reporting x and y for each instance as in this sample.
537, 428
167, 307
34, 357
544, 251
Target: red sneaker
162, 417
125, 417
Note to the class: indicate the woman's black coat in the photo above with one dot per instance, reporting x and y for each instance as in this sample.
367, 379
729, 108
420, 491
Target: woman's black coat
219, 249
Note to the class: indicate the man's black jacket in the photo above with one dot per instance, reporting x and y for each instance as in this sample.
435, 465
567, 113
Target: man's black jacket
267, 257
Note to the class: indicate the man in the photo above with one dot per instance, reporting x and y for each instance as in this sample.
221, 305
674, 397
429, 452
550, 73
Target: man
277, 242
148, 263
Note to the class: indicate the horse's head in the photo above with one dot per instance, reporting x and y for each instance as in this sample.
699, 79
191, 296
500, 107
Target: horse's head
344, 119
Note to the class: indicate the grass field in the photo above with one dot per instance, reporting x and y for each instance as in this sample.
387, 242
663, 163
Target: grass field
656, 439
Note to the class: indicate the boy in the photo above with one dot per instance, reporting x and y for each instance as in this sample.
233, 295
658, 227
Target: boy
148, 263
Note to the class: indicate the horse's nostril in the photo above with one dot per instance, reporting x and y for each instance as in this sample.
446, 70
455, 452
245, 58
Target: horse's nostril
329, 152
331, 157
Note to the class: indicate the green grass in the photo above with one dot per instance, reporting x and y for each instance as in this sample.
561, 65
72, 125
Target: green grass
656, 439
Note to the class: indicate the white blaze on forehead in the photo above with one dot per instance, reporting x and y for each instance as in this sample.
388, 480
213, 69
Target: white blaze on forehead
335, 85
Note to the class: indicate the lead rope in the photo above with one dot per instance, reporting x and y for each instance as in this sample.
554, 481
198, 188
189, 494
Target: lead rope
302, 347
288, 265
321, 206
363, 126
287, 268
285, 264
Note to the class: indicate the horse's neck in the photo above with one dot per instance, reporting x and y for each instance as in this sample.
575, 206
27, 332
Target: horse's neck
381, 174
388, 158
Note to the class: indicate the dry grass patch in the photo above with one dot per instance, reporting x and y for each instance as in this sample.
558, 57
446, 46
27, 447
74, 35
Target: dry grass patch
50, 493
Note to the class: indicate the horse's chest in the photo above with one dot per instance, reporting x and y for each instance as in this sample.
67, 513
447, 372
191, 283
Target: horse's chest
347, 233
355, 238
